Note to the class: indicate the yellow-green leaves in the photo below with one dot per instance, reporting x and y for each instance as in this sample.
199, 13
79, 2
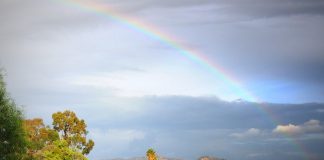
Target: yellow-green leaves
72, 130
38, 135
59, 150
66, 140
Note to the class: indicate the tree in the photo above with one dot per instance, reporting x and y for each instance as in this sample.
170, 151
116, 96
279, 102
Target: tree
12, 135
59, 150
72, 130
38, 136
151, 155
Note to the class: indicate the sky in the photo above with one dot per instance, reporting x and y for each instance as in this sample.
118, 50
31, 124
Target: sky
137, 91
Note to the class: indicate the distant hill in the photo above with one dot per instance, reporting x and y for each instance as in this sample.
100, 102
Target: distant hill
209, 158
167, 158
144, 158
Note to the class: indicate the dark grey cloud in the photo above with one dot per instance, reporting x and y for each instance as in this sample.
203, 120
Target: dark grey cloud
180, 112
273, 8
252, 8
41, 15
188, 127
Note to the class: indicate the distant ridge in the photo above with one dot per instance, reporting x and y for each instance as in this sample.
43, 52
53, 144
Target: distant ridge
167, 158
144, 158
209, 158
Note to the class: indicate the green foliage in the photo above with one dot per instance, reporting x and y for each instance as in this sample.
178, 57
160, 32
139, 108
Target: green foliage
72, 130
38, 136
59, 150
32, 140
67, 140
12, 135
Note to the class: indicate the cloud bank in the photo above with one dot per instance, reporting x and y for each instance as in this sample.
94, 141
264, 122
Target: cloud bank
309, 127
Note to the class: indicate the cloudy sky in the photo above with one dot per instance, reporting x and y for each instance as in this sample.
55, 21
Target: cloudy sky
136, 91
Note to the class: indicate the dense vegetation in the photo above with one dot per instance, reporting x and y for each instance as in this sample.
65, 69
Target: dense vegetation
30, 139
12, 134
66, 140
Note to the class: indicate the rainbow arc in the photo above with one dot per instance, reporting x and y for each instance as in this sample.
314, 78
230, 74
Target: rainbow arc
192, 54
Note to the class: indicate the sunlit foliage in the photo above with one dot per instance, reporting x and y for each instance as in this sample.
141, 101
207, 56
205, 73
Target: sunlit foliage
59, 150
72, 130
38, 136
31, 140
151, 155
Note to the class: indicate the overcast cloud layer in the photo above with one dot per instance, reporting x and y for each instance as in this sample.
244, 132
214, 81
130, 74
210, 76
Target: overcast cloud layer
190, 127
137, 92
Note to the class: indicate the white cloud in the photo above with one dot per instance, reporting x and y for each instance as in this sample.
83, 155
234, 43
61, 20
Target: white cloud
313, 126
252, 132
288, 129
309, 127
153, 82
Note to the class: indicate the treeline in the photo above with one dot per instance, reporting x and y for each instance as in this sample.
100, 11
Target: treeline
31, 139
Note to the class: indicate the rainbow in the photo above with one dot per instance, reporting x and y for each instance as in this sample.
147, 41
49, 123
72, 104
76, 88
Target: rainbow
192, 54
153, 32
